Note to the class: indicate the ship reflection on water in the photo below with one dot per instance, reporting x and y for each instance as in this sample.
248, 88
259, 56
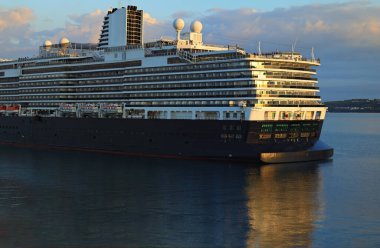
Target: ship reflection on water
283, 205
63, 199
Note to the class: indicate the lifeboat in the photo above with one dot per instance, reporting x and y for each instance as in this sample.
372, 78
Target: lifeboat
67, 108
88, 108
13, 108
111, 108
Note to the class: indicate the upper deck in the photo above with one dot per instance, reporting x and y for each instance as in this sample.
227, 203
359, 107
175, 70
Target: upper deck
184, 74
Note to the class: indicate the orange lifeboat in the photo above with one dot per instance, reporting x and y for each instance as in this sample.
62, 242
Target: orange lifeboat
3, 107
13, 108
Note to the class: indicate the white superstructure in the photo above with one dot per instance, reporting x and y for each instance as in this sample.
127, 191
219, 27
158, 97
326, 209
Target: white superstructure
183, 78
122, 27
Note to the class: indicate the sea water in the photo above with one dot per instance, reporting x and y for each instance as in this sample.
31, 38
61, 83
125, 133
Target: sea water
71, 199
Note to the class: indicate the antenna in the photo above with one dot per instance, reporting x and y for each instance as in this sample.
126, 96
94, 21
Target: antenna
178, 25
312, 54
259, 48
294, 47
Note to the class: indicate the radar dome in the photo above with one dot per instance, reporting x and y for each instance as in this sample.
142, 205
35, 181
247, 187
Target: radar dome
64, 42
48, 43
196, 27
178, 24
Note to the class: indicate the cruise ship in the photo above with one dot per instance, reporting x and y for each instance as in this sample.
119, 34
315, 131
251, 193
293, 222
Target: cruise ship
174, 98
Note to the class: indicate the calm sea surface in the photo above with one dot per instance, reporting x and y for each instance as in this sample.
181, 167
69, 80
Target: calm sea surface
69, 199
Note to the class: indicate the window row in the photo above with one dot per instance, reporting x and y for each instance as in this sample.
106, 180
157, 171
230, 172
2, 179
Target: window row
139, 87
292, 115
83, 67
191, 67
168, 77
165, 94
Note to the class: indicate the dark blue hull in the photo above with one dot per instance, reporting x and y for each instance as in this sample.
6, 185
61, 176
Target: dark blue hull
198, 139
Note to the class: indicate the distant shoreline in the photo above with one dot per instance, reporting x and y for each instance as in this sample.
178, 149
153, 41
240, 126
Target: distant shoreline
354, 106
351, 112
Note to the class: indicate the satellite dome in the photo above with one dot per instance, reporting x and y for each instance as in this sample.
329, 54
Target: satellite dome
64, 41
196, 27
48, 43
178, 24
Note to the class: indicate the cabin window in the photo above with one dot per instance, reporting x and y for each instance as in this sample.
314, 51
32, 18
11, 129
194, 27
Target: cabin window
298, 115
285, 115
265, 136
318, 115
309, 115
270, 115
280, 135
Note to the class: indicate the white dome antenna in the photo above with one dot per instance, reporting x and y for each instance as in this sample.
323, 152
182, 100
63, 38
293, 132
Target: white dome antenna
196, 27
178, 25
64, 43
47, 43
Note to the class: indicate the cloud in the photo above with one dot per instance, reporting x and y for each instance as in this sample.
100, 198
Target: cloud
15, 30
346, 36
20, 39
154, 28
149, 19
79, 28
355, 23
15, 18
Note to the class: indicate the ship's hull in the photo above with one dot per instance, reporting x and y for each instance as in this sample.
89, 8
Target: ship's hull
198, 139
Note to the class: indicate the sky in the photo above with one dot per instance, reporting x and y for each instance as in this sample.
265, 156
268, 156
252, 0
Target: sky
345, 35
